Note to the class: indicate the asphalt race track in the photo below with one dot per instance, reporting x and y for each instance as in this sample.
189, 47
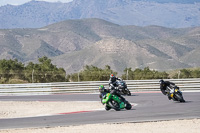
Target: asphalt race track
150, 107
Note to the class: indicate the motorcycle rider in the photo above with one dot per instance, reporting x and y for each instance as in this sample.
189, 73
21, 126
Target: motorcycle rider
104, 91
164, 85
113, 81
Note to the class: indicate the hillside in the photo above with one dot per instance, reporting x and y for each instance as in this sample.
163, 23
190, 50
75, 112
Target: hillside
73, 44
166, 13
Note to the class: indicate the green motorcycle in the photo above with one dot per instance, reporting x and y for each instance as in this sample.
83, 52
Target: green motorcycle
114, 102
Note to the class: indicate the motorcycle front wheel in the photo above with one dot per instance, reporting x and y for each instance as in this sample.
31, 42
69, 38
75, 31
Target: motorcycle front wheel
127, 92
179, 97
128, 106
107, 107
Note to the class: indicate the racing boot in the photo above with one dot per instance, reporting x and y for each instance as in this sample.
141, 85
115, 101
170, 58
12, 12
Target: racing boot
169, 97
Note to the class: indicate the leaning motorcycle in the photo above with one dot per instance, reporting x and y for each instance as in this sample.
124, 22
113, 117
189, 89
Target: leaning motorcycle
175, 93
122, 87
115, 102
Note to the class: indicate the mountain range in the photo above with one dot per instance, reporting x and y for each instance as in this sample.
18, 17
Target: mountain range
166, 13
72, 44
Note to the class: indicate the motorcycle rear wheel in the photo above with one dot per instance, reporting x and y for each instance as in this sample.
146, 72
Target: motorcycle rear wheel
107, 107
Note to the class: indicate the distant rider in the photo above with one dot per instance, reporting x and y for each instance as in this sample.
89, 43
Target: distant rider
164, 85
113, 81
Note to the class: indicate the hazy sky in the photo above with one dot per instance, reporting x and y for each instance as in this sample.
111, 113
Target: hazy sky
19, 2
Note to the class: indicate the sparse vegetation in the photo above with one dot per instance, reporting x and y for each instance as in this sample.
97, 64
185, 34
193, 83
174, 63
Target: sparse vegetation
146, 73
12, 71
92, 73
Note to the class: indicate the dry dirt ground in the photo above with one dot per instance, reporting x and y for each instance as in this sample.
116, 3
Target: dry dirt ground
26, 109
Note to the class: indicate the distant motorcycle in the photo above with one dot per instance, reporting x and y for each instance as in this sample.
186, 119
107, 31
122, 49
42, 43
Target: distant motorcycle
175, 93
115, 102
122, 87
